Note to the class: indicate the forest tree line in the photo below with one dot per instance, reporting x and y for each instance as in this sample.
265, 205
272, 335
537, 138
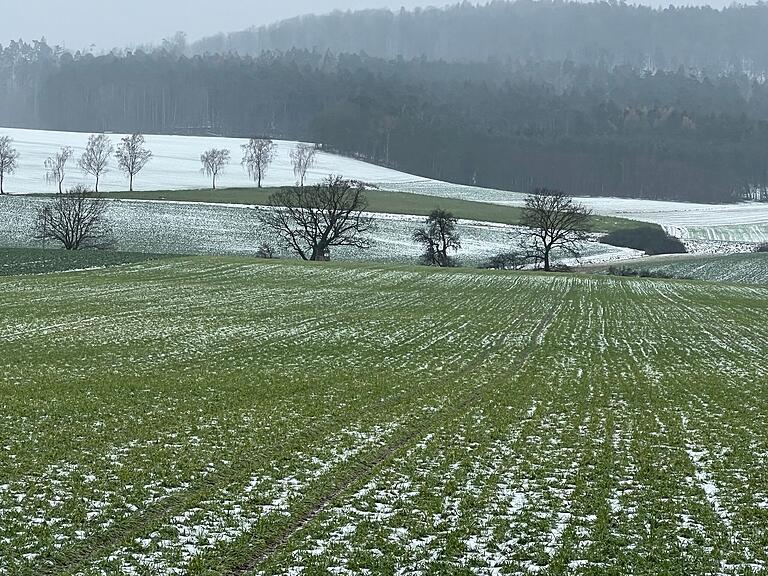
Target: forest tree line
601, 33
584, 129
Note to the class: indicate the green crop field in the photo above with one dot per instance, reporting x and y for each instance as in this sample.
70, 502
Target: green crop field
379, 201
16, 261
226, 416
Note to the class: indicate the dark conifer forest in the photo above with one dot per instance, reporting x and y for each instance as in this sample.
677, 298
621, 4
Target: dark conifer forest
595, 99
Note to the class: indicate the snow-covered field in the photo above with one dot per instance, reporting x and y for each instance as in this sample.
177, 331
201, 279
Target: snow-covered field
197, 228
176, 166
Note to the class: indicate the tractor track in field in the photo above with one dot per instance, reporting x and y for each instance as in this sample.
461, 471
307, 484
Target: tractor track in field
365, 469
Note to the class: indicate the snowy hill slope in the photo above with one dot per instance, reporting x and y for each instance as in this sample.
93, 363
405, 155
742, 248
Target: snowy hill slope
176, 166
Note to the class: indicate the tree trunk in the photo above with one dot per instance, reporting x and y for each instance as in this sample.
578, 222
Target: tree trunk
546, 259
97, 183
2, 177
320, 254
214, 181
131, 183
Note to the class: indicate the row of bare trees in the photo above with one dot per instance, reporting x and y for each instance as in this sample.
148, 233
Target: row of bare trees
132, 156
258, 154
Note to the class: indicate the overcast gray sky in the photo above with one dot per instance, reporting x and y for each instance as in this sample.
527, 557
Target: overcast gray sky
110, 23
124, 23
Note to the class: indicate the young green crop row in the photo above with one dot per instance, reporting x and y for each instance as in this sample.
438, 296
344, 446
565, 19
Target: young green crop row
215, 416
736, 268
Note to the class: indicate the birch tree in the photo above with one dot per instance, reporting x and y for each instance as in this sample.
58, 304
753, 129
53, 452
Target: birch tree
132, 156
257, 156
302, 158
214, 161
95, 159
56, 166
8, 159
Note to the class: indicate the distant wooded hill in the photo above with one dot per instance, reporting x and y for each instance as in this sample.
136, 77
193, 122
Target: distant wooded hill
597, 33
587, 128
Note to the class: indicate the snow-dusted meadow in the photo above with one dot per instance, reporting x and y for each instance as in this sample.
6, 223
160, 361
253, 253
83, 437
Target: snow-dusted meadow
197, 228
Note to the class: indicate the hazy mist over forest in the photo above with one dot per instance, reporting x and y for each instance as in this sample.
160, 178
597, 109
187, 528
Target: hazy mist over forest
107, 24
594, 98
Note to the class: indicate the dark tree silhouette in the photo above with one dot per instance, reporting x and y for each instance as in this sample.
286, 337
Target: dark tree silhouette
439, 237
265, 251
553, 221
76, 219
314, 219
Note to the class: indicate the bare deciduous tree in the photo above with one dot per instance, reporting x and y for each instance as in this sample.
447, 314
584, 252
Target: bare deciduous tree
314, 219
554, 221
95, 159
303, 158
8, 159
132, 156
438, 237
75, 218
214, 161
55, 167
257, 156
